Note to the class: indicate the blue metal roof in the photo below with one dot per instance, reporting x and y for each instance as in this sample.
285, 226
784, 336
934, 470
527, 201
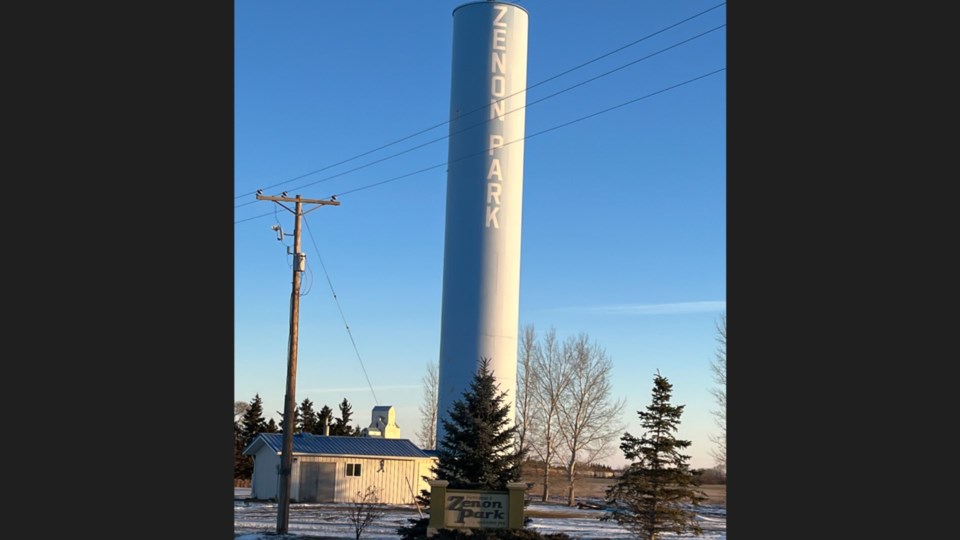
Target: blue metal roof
306, 443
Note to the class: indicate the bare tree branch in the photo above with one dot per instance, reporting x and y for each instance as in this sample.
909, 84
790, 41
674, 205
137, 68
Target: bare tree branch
588, 420
427, 434
719, 392
551, 377
528, 349
365, 509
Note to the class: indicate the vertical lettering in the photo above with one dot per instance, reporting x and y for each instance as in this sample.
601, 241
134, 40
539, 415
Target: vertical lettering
496, 141
492, 217
498, 85
498, 89
497, 107
493, 192
499, 39
498, 62
495, 170
501, 12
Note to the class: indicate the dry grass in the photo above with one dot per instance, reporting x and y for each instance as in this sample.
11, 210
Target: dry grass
589, 489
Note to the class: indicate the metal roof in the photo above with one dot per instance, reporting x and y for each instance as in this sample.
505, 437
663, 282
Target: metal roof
306, 443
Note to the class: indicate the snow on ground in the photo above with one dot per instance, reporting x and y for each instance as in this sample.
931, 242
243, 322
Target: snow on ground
254, 520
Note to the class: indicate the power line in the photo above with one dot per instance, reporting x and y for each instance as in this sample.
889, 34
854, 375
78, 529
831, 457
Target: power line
253, 218
319, 258
648, 36
565, 124
698, 36
475, 110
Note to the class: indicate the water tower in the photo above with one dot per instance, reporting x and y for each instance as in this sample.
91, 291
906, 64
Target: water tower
481, 257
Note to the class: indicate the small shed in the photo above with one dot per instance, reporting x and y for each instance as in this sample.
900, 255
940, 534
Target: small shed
335, 469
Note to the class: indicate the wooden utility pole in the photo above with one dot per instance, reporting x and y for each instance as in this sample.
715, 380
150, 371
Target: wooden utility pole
289, 400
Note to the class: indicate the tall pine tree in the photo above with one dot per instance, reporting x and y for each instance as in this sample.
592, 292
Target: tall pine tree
657, 490
308, 418
324, 418
477, 450
250, 425
296, 420
341, 426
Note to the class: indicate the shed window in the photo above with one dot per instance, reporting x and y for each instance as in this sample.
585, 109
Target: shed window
353, 469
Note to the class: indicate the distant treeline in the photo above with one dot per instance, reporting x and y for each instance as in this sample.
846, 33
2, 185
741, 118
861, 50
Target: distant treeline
248, 422
599, 470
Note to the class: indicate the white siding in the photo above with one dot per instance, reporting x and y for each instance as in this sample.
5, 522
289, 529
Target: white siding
266, 474
398, 483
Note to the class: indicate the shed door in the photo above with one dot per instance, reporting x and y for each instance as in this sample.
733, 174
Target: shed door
317, 482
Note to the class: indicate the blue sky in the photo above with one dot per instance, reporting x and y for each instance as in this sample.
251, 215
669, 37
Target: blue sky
624, 205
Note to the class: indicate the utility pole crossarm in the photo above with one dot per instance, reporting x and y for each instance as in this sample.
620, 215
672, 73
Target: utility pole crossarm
332, 201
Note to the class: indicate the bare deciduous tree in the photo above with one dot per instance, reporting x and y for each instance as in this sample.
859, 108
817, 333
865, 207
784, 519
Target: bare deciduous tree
365, 509
719, 392
527, 351
427, 434
240, 408
589, 423
551, 377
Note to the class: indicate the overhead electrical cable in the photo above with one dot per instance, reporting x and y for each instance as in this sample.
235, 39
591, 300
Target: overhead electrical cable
339, 307
502, 99
651, 55
565, 124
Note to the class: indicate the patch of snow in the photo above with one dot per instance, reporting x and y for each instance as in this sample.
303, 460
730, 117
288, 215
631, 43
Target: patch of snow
257, 520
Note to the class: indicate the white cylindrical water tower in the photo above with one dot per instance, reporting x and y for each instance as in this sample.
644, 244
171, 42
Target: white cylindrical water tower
481, 258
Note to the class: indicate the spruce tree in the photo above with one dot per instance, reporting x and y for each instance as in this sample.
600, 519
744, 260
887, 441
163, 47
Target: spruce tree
657, 490
341, 426
253, 422
324, 418
296, 420
308, 418
477, 450
250, 425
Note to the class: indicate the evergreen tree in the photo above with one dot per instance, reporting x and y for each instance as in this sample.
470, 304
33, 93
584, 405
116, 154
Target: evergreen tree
296, 419
477, 450
341, 426
655, 490
308, 418
250, 425
272, 427
239, 460
324, 418
252, 422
